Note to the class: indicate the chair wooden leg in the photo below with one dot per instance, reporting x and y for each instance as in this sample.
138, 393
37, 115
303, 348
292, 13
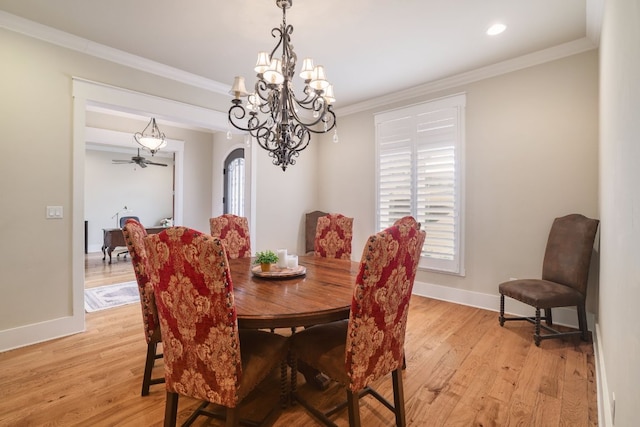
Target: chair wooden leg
536, 335
293, 362
284, 398
398, 398
171, 409
353, 403
501, 318
582, 322
233, 417
148, 367
548, 317
152, 355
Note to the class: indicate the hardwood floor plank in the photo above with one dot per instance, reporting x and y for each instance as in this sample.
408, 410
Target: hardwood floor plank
462, 369
547, 411
575, 384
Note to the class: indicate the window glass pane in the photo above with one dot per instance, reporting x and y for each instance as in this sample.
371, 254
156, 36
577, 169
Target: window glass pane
235, 190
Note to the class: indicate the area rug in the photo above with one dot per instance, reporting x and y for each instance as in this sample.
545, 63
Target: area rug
103, 297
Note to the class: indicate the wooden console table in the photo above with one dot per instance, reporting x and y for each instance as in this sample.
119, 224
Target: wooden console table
113, 238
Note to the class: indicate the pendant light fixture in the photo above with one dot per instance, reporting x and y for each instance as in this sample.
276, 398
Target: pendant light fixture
151, 138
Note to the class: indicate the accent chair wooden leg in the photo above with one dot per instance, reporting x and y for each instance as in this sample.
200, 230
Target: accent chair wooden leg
398, 398
501, 318
582, 322
353, 402
171, 409
536, 335
548, 316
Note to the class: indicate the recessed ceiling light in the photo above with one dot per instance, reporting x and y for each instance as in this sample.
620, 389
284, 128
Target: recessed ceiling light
496, 29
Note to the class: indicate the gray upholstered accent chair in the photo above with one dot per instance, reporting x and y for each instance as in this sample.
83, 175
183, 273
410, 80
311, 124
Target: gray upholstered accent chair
565, 272
123, 221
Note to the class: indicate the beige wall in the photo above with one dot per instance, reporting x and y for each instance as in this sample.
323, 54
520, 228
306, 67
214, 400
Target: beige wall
36, 170
531, 155
619, 364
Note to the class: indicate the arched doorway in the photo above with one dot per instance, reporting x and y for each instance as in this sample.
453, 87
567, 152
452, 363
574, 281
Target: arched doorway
234, 183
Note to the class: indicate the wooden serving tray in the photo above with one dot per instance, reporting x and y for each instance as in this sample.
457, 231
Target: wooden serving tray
279, 273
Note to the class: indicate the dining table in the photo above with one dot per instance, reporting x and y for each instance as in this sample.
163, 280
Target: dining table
321, 294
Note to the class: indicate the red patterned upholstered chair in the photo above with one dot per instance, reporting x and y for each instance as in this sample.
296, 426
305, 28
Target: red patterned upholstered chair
205, 355
333, 236
134, 234
565, 273
234, 232
310, 228
370, 344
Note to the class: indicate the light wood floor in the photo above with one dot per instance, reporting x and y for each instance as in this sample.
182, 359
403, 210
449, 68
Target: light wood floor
462, 369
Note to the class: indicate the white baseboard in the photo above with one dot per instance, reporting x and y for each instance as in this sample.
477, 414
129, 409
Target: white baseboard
40, 332
97, 247
561, 316
605, 417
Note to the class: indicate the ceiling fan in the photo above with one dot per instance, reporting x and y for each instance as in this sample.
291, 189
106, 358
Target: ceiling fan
138, 160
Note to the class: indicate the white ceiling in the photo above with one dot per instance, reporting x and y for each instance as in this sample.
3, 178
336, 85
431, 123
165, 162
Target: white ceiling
369, 48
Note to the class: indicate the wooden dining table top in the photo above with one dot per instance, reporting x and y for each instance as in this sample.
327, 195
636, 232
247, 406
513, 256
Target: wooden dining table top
321, 295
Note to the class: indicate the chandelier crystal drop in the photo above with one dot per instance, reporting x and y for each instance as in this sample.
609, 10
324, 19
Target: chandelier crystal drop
280, 121
151, 138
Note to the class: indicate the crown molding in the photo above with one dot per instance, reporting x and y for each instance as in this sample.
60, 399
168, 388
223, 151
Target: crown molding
525, 61
51, 35
60, 38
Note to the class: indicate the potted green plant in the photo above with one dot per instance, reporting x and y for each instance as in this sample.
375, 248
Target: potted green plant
265, 259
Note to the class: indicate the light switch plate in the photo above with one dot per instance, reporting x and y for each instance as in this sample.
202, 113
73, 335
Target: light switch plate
54, 212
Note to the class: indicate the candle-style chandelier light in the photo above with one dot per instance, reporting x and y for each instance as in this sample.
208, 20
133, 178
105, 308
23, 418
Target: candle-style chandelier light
281, 122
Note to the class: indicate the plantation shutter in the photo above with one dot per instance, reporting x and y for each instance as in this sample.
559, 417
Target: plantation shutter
419, 151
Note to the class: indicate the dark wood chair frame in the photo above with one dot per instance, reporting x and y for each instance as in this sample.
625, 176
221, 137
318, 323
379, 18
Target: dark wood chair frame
353, 402
548, 326
582, 234
152, 356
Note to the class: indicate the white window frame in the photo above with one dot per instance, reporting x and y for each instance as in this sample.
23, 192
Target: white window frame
453, 108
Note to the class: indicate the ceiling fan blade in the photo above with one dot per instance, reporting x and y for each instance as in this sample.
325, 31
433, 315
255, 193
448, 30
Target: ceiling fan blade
155, 164
142, 164
121, 162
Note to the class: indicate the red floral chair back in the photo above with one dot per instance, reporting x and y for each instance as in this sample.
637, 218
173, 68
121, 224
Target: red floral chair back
194, 296
234, 232
333, 236
134, 235
378, 318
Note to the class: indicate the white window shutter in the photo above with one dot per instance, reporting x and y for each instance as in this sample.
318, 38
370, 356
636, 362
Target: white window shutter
419, 157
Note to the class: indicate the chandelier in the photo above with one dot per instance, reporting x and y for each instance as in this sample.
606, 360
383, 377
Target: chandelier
152, 141
280, 121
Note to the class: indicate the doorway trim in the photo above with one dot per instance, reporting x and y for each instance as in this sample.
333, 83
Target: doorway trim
85, 94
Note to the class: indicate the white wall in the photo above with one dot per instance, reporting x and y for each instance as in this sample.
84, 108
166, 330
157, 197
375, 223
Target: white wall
283, 198
619, 362
146, 192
